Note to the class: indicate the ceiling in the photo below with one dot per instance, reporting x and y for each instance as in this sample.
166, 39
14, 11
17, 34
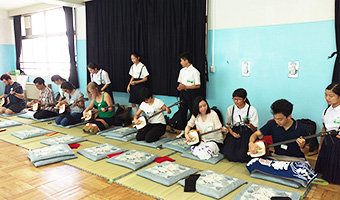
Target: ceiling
20, 4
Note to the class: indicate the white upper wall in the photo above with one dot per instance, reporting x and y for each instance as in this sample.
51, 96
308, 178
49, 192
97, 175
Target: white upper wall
226, 14
81, 23
6, 29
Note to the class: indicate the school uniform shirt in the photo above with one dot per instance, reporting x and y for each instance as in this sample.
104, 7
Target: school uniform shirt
331, 118
212, 122
253, 117
136, 71
101, 77
279, 134
189, 76
72, 99
152, 109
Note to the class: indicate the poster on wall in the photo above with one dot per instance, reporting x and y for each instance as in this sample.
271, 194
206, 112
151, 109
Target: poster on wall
245, 68
293, 69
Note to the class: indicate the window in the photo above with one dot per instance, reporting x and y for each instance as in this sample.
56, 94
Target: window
44, 44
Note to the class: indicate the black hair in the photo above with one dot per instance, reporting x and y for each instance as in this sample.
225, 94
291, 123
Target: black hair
135, 54
144, 94
56, 78
39, 80
6, 77
93, 65
67, 86
242, 93
195, 107
334, 87
282, 106
186, 56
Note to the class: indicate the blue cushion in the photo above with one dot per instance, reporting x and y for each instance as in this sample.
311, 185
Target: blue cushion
53, 160
212, 160
15, 114
215, 185
125, 138
100, 152
133, 159
155, 144
27, 115
30, 133
167, 173
9, 123
274, 179
118, 131
66, 139
257, 191
177, 145
49, 152
68, 126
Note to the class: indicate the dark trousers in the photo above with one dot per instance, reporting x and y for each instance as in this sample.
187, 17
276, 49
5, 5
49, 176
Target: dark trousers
188, 97
151, 133
43, 114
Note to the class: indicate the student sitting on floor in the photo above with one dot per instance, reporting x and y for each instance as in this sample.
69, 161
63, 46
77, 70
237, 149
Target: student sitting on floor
156, 124
289, 161
235, 145
15, 93
283, 128
103, 102
205, 120
46, 100
73, 99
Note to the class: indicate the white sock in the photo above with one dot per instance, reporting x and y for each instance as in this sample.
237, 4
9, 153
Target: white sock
180, 135
134, 109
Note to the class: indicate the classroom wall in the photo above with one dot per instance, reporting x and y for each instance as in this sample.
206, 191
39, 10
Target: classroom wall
269, 34
7, 45
266, 33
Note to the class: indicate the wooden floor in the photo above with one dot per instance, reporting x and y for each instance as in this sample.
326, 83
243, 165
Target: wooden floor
21, 180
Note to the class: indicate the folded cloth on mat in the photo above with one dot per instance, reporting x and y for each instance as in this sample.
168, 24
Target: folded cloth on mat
214, 184
177, 145
25, 134
15, 114
125, 138
9, 123
167, 173
50, 154
300, 171
212, 160
69, 126
118, 131
163, 159
133, 159
257, 191
65, 139
114, 154
100, 151
74, 145
155, 144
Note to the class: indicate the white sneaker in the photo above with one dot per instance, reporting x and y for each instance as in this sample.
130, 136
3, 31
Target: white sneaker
180, 135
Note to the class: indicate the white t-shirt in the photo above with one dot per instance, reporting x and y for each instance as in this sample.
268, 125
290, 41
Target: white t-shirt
152, 109
72, 99
189, 76
253, 117
101, 77
211, 123
331, 119
136, 70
